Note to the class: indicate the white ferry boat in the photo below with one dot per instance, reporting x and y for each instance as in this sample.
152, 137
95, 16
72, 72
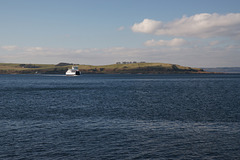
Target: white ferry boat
73, 72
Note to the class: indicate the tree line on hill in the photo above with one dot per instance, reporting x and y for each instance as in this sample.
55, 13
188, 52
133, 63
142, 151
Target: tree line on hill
130, 62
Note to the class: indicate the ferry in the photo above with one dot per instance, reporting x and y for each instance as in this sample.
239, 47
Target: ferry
73, 72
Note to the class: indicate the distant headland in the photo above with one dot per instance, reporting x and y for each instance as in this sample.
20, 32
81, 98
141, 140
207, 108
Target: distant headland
118, 68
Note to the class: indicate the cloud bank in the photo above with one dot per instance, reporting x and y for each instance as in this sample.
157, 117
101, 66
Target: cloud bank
9, 48
171, 43
202, 25
195, 56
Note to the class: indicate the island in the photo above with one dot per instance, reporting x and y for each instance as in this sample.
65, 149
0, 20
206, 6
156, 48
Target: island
118, 68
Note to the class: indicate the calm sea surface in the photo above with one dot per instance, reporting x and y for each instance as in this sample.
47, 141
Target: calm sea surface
120, 117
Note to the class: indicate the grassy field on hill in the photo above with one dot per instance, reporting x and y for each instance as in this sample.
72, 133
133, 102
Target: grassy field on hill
132, 68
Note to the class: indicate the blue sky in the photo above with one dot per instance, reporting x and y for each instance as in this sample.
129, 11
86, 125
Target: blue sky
192, 33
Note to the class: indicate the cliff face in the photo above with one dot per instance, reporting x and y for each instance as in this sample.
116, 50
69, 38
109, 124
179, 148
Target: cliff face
135, 68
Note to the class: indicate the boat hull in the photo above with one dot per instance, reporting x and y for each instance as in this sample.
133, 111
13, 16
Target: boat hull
73, 72
77, 73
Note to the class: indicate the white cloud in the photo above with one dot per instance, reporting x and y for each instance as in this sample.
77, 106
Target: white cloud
202, 25
121, 28
213, 43
9, 48
34, 49
27, 49
146, 26
78, 51
172, 43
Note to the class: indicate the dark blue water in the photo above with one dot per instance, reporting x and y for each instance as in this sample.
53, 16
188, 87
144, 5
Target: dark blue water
120, 117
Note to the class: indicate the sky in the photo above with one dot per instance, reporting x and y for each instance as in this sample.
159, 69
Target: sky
191, 33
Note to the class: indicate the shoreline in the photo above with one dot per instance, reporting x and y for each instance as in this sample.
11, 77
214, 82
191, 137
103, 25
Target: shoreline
134, 68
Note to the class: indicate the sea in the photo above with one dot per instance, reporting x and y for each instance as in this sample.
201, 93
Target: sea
121, 116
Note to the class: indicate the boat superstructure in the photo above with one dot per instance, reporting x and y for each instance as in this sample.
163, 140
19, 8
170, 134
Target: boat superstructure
73, 71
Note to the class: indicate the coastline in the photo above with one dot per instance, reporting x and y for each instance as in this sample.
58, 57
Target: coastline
136, 68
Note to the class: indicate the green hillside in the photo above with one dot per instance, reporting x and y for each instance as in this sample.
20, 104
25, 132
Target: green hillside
132, 68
